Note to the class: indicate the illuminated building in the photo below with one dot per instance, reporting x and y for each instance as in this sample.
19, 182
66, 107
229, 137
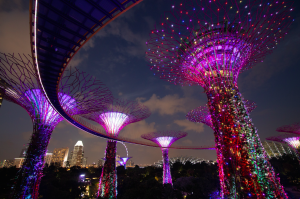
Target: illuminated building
165, 139
77, 156
18, 162
209, 43
19, 73
276, 149
59, 156
48, 158
113, 118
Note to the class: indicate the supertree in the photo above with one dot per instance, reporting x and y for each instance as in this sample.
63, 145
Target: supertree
123, 161
208, 43
201, 114
292, 128
165, 139
22, 88
113, 118
291, 139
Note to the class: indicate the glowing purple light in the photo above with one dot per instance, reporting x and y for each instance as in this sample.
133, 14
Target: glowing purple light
293, 141
164, 141
113, 122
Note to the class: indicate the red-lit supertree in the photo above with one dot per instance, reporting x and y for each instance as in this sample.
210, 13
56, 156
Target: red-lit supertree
20, 86
114, 117
201, 114
208, 43
165, 139
293, 140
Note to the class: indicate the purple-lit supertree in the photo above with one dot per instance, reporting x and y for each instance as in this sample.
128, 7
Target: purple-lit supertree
165, 139
208, 43
292, 128
201, 114
123, 161
292, 140
114, 117
23, 89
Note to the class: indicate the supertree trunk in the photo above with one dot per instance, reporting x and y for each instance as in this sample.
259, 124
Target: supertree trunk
108, 179
29, 176
244, 168
166, 166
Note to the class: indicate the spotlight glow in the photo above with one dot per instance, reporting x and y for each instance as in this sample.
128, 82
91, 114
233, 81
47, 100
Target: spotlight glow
113, 122
164, 141
293, 141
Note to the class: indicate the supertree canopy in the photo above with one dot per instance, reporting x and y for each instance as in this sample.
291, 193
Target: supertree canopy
208, 43
292, 128
23, 89
183, 160
165, 139
201, 114
113, 118
123, 161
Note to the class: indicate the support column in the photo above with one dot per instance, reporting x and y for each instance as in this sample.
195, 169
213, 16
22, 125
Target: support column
244, 169
167, 178
29, 177
108, 179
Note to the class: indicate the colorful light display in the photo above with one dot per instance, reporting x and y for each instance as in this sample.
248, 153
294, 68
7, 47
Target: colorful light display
165, 139
123, 161
113, 118
23, 89
292, 128
202, 114
291, 139
208, 43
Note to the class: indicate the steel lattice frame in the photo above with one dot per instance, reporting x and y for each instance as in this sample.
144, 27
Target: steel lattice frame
293, 140
208, 43
113, 118
22, 87
165, 139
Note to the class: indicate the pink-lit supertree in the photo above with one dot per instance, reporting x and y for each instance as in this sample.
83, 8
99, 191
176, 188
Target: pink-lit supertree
293, 140
292, 128
208, 43
113, 118
21, 87
165, 139
201, 114
123, 161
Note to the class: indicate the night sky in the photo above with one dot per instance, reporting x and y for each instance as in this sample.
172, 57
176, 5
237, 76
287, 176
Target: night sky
116, 56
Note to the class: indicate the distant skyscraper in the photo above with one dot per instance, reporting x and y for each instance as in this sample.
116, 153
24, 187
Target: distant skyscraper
100, 163
77, 156
23, 153
18, 162
84, 161
117, 160
48, 158
60, 156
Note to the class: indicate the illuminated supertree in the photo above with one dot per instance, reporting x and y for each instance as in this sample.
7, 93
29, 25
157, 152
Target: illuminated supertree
123, 161
23, 89
291, 139
201, 114
114, 117
292, 128
165, 139
208, 43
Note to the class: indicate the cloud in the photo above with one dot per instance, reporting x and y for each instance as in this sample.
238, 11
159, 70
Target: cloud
77, 60
190, 126
14, 32
170, 104
135, 130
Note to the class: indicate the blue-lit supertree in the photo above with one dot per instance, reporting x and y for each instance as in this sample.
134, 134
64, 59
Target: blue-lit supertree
78, 94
